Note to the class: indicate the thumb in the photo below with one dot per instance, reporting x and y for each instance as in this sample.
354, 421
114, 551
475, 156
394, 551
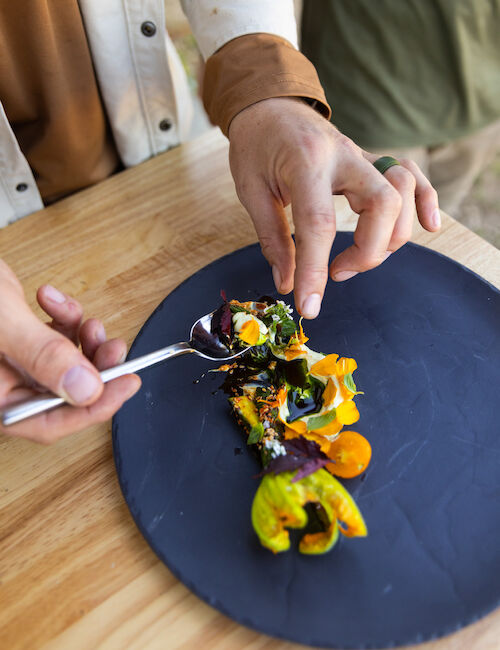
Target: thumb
52, 360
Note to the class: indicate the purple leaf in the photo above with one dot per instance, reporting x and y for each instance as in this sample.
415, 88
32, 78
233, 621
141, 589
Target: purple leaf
282, 464
309, 468
226, 320
222, 323
304, 447
302, 454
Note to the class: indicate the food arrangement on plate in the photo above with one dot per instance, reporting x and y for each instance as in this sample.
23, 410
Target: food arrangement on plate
293, 404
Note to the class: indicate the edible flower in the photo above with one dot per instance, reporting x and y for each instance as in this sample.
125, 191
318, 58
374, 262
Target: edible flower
250, 329
279, 504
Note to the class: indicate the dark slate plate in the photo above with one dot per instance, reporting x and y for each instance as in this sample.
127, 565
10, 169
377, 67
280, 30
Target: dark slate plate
424, 331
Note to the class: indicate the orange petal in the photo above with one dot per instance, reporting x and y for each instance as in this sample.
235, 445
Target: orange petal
299, 426
302, 337
293, 351
344, 366
329, 429
323, 442
345, 392
347, 413
329, 392
326, 366
249, 332
282, 395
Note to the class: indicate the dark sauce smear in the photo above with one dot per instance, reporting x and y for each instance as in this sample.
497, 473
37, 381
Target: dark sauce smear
254, 370
300, 404
307, 397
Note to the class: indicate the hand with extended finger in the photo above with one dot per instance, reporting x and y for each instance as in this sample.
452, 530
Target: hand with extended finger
283, 152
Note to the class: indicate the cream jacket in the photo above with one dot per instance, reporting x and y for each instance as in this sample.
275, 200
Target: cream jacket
141, 79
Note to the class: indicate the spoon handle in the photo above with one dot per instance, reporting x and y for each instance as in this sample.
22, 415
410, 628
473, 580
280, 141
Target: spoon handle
47, 401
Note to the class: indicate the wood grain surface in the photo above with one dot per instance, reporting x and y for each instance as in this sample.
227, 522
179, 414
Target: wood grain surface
74, 570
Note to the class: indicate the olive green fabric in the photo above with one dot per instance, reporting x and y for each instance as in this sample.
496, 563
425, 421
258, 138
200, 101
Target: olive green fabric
406, 73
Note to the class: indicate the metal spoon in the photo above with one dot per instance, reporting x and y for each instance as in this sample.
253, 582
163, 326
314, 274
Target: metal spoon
201, 342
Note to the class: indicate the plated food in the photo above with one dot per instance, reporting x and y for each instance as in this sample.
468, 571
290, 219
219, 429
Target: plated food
293, 404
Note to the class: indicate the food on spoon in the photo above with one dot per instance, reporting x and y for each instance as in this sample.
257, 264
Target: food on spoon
292, 403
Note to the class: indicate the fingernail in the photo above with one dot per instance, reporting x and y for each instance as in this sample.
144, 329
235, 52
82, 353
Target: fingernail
100, 334
276, 277
344, 275
54, 295
436, 218
80, 384
311, 306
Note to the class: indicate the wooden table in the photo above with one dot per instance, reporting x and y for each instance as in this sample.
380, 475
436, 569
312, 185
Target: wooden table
74, 570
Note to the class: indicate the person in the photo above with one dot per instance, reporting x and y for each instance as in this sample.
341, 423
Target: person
95, 85
419, 79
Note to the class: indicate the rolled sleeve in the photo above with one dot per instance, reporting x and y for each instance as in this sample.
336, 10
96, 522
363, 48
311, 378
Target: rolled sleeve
255, 67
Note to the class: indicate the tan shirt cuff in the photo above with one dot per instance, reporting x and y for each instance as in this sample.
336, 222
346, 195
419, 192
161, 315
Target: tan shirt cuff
254, 67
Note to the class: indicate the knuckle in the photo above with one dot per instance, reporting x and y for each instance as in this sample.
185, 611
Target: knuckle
315, 273
370, 261
387, 199
406, 180
268, 246
75, 310
347, 146
53, 348
407, 163
320, 223
411, 165
313, 146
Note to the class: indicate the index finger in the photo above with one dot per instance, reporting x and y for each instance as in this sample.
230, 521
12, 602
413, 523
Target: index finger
314, 217
378, 204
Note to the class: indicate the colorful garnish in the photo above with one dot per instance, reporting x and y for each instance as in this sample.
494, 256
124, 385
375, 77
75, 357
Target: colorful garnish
293, 403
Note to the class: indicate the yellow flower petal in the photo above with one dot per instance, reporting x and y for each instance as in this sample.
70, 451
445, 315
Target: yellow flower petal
293, 351
249, 332
344, 366
326, 366
329, 392
347, 413
298, 427
345, 392
330, 429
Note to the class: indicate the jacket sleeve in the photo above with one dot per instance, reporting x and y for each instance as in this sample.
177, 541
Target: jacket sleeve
250, 47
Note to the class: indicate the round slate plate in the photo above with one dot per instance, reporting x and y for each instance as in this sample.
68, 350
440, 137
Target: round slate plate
424, 331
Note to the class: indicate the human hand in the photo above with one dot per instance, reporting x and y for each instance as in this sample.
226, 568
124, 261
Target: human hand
282, 151
35, 354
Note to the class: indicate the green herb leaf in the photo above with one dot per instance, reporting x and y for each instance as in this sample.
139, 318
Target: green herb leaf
280, 310
288, 328
321, 420
236, 308
350, 385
